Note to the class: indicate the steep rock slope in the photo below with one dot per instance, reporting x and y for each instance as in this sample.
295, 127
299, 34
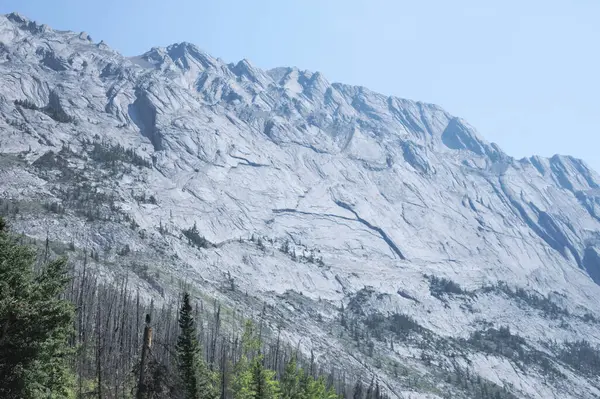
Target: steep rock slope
299, 185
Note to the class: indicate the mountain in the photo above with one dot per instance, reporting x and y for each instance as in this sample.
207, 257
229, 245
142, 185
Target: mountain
384, 234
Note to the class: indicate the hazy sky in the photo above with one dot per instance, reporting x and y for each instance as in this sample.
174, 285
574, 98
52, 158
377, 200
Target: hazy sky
524, 73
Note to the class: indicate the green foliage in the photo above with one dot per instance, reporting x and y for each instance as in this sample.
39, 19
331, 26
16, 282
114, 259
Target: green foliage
476, 387
53, 161
242, 380
37, 342
143, 199
501, 342
264, 385
317, 389
400, 324
360, 298
251, 379
26, 104
58, 114
91, 202
113, 154
35, 324
291, 387
295, 384
196, 378
195, 239
438, 287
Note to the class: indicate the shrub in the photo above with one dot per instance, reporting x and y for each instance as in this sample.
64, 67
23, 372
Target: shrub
110, 154
399, 324
57, 114
438, 287
402, 325
499, 342
195, 239
26, 104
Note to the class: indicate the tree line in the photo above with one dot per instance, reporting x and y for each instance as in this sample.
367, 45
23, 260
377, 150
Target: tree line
67, 333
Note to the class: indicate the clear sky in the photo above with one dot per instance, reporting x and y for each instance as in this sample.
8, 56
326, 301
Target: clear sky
525, 73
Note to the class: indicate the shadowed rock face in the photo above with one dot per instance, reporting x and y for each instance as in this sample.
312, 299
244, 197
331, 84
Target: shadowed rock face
380, 189
591, 263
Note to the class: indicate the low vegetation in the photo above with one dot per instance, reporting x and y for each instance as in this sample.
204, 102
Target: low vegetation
439, 287
531, 299
581, 356
57, 114
195, 239
114, 155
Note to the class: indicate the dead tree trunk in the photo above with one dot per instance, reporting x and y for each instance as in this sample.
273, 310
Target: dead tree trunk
141, 389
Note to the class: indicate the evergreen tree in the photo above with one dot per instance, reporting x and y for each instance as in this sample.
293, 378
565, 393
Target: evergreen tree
252, 380
242, 380
316, 389
291, 381
35, 324
331, 393
196, 378
263, 381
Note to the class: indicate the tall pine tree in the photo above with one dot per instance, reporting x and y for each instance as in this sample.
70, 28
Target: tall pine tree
196, 378
291, 387
263, 381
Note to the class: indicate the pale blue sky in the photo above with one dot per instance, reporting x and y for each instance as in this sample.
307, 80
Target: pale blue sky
524, 73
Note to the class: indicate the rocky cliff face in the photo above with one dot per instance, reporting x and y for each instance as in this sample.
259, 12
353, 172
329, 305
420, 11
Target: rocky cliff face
308, 195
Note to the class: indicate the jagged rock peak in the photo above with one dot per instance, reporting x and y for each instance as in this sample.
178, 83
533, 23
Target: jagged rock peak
18, 18
184, 56
27, 24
